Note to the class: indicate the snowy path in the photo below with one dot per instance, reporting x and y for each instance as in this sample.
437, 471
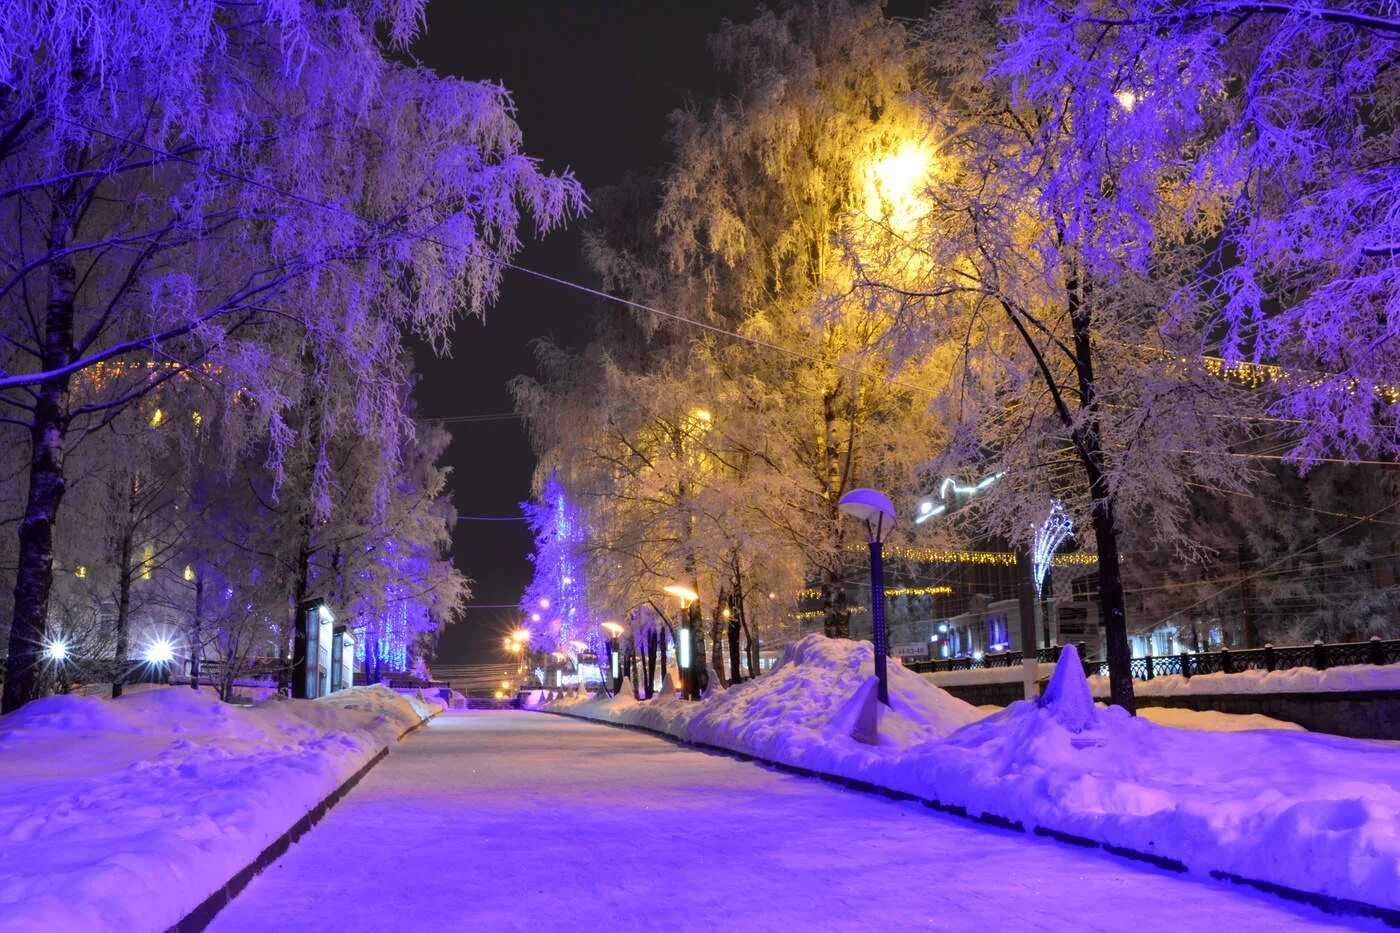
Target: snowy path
525, 821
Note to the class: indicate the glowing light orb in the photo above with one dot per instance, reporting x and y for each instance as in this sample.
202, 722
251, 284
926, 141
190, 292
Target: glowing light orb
894, 185
160, 651
56, 651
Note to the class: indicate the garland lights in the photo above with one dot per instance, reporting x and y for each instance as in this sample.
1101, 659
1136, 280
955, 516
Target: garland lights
900, 591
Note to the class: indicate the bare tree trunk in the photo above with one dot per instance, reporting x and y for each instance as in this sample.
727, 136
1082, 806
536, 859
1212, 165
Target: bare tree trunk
716, 643
197, 630
48, 431
121, 660
649, 666
1088, 443
124, 577
836, 609
751, 649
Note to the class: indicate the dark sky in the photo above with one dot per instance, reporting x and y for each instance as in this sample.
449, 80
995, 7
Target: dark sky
593, 83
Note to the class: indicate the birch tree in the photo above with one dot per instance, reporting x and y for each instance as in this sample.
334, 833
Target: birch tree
240, 193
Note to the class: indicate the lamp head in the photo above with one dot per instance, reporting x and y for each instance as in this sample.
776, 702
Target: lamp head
871, 507
682, 592
612, 628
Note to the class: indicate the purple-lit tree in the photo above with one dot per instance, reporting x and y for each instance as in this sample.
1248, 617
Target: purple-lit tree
1071, 380
1279, 123
245, 194
557, 591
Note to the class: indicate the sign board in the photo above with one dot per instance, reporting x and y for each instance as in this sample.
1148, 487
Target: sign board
913, 649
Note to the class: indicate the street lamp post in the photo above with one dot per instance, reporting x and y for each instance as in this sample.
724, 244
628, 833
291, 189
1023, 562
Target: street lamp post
614, 660
875, 510
579, 648
685, 644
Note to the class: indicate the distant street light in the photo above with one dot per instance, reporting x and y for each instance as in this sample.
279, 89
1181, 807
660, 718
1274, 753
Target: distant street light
685, 639
875, 510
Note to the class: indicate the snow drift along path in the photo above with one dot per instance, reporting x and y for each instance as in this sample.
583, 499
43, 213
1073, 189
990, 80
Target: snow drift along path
1314, 813
127, 814
516, 821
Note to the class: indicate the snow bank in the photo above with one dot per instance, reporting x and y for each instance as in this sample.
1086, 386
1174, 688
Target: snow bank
799, 712
1311, 812
1210, 720
1294, 680
127, 814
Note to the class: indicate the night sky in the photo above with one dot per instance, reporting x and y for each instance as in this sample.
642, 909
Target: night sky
594, 83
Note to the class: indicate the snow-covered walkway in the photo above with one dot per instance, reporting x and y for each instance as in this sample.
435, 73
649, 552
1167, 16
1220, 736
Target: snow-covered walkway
526, 821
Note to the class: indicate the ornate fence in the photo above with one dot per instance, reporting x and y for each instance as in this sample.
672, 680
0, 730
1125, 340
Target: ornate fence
1225, 661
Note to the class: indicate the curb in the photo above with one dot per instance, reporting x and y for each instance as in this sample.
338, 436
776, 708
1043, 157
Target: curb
1336, 906
204, 914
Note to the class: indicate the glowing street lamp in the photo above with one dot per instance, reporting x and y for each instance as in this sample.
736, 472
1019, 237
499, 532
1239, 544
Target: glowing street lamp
685, 659
159, 654
875, 510
895, 182
56, 651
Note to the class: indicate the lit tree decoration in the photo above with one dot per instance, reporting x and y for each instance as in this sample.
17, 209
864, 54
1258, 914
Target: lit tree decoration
560, 578
1048, 538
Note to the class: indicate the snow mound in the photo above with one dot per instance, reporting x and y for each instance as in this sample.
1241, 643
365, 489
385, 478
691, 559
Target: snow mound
126, 814
1067, 695
1310, 812
800, 712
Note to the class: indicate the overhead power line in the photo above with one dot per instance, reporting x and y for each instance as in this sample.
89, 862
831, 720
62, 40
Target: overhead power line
503, 263
473, 419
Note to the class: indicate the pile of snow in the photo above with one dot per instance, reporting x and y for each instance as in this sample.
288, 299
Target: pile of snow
802, 712
126, 814
1311, 812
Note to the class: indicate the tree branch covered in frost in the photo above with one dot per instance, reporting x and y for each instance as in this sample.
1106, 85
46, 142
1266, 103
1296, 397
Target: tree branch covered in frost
1280, 122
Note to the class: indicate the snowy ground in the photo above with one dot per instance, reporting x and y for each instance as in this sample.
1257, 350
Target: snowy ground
127, 814
520, 821
1310, 812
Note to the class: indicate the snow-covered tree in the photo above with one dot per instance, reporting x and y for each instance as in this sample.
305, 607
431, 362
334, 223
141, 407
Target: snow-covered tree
1278, 125
239, 194
762, 184
1069, 382
557, 592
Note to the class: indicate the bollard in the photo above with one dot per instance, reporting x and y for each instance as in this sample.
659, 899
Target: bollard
1225, 661
1185, 666
1375, 651
1319, 655
1270, 661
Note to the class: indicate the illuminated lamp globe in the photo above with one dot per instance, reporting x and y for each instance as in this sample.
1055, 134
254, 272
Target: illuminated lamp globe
612, 628
871, 507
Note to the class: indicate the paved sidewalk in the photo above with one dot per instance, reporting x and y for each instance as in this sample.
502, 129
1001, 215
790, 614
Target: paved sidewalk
525, 821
